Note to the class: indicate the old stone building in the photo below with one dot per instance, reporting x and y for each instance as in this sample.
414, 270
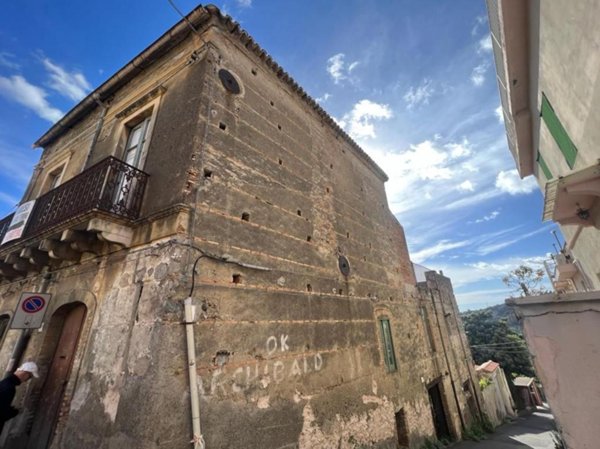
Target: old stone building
202, 176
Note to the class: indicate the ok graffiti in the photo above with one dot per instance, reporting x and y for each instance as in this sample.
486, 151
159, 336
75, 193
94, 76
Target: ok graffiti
264, 372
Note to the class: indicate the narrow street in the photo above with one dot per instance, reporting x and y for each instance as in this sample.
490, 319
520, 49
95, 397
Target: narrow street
531, 431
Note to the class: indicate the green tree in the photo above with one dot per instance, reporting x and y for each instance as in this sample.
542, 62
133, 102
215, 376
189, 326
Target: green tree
493, 339
526, 281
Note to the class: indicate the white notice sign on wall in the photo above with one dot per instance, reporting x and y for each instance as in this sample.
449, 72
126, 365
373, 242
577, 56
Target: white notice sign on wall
18, 222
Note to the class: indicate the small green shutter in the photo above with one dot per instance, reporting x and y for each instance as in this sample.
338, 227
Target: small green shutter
562, 139
543, 166
388, 345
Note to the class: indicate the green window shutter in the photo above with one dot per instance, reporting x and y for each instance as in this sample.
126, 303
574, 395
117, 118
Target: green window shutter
388, 345
562, 139
544, 167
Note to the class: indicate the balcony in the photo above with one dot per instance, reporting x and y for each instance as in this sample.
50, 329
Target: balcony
87, 214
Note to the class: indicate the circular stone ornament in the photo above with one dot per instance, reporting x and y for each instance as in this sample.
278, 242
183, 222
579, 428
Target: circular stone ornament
344, 265
229, 81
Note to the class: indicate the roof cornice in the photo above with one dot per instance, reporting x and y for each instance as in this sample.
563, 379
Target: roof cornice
198, 18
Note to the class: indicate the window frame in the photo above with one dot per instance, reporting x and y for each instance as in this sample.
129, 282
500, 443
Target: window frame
558, 132
387, 341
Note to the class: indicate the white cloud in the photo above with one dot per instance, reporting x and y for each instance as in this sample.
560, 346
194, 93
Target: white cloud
18, 89
5, 61
486, 249
479, 22
418, 95
337, 68
463, 274
359, 121
478, 73
466, 186
510, 182
323, 98
477, 299
8, 199
485, 44
72, 85
244, 3
492, 216
439, 248
458, 150
16, 164
499, 113
352, 66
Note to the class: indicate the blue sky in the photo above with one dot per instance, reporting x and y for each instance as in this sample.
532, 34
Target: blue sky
413, 82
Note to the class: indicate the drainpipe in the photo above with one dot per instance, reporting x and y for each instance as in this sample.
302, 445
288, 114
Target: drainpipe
468, 363
21, 345
437, 319
197, 439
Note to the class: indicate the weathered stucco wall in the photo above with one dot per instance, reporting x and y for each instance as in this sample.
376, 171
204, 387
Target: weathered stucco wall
563, 335
289, 349
569, 68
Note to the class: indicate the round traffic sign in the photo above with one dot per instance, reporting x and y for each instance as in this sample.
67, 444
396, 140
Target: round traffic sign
33, 304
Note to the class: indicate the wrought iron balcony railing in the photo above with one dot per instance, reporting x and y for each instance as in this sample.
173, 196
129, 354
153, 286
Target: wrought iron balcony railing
4, 224
110, 186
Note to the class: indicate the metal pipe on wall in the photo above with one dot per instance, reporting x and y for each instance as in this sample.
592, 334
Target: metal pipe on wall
189, 312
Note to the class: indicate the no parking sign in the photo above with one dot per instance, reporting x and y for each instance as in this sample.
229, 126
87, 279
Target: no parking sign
30, 311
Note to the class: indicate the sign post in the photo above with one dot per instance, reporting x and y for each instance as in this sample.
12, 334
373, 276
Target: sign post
30, 311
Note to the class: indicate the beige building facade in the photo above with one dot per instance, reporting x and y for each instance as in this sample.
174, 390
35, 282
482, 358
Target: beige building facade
548, 69
224, 269
548, 66
562, 333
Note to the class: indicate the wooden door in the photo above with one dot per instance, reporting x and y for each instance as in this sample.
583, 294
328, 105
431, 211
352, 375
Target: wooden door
52, 393
439, 415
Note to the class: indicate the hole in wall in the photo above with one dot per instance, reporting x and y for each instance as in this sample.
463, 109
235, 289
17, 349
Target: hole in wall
347, 235
272, 104
222, 126
208, 173
280, 162
229, 82
331, 166
340, 291
279, 127
299, 212
254, 72
308, 288
246, 216
327, 189
236, 278
308, 238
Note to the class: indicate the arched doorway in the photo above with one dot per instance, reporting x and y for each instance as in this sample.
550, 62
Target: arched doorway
59, 347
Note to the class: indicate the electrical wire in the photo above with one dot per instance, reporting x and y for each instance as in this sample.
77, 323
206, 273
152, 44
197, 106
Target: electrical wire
172, 3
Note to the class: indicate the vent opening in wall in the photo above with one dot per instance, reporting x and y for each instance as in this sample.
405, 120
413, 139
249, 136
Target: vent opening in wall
229, 82
344, 265
246, 216
208, 173
222, 126
237, 278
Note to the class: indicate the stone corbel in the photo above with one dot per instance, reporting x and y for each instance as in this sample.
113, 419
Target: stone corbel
111, 232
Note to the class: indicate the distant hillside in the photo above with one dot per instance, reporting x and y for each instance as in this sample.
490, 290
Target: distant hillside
499, 312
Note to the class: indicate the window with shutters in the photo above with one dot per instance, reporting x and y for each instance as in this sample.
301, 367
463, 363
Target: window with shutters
559, 133
544, 167
388, 345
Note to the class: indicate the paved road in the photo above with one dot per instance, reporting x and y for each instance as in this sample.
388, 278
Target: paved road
525, 432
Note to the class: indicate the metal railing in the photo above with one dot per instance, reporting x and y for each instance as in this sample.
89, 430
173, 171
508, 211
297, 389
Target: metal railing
4, 224
111, 186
